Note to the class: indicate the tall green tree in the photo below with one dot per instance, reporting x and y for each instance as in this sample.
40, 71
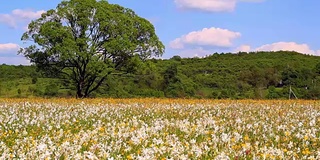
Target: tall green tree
87, 40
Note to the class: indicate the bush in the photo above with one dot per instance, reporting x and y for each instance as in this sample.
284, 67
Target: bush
272, 93
34, 80
51, 90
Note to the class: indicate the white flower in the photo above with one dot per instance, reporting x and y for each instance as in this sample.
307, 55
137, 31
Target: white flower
41, 147
193, 141
225, 137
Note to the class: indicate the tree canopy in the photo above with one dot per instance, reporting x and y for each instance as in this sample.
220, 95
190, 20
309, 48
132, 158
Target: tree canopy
88, 40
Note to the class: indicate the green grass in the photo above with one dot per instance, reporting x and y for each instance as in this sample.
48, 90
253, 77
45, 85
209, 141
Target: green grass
10, 88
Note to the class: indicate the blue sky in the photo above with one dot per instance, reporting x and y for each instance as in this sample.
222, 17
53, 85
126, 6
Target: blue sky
194, 27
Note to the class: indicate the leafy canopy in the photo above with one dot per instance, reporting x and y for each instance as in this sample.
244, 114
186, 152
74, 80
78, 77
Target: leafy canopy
87, 40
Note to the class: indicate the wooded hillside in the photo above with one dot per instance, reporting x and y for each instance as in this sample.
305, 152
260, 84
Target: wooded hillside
257, 75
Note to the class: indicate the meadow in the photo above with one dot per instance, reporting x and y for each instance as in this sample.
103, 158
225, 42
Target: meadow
159, 129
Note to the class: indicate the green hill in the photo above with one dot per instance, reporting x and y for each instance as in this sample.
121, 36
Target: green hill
256, 75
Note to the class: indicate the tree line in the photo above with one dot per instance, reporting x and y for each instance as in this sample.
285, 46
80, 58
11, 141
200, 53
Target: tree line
255, 75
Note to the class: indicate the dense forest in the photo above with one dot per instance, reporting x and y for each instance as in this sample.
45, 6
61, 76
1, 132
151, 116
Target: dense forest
255, 75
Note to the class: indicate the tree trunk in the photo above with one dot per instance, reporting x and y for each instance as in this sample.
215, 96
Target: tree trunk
79, 94
79, 89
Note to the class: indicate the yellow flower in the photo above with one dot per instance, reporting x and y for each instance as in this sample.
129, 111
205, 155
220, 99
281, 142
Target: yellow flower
306, 151
101, 129
286, 133
129, 157
246, 138
235, 147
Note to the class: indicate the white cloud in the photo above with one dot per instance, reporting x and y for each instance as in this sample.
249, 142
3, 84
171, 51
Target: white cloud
9, 47
211, 5
27, 14
206, 37
243, 48
8, 55
8, 19
176, 44
16, 60
281, 46
278, 46
286, 46
197, 52
18, 16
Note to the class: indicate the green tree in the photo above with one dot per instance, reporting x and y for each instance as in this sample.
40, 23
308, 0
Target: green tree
272, 93
88, 40
289, 76
317, 68
171, 75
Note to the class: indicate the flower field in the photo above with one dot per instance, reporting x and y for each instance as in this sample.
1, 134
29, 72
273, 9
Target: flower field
158, 129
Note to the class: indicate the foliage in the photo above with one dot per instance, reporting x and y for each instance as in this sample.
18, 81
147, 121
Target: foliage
51, 90
87, 40
261, 75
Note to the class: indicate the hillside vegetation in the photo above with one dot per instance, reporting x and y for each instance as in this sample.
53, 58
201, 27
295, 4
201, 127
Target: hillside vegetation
256, 75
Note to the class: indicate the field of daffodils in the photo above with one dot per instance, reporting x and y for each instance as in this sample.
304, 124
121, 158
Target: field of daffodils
158, 129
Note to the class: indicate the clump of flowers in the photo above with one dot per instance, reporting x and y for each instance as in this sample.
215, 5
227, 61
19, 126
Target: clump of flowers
158, 129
